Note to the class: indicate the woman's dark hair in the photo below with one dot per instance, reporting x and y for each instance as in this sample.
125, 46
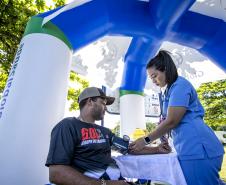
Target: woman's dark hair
163, 62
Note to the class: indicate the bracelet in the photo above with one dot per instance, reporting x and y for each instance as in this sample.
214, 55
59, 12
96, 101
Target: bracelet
103, 182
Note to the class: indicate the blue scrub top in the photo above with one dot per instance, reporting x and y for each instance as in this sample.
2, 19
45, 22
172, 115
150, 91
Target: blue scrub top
192, 137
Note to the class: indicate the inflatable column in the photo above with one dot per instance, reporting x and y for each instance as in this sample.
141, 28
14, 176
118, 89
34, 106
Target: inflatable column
134, 78
32, 103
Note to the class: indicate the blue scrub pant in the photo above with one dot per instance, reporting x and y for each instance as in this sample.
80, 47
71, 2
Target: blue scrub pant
202, 171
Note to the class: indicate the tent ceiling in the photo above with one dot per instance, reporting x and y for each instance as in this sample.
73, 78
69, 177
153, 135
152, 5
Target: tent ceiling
102, 62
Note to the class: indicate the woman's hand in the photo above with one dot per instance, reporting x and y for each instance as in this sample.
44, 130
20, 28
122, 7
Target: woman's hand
137, 145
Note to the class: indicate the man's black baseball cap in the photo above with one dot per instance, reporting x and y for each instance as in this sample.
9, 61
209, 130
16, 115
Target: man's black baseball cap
90, 92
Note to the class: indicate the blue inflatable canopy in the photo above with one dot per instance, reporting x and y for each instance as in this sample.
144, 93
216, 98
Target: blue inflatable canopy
36, 91
149, 23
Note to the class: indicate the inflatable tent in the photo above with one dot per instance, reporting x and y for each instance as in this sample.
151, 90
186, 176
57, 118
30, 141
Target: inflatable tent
36, 90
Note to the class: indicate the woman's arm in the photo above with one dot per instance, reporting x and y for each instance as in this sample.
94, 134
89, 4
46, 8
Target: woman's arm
174, 116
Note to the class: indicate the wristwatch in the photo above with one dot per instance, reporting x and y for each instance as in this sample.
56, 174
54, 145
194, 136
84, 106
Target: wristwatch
147, 140
103, 182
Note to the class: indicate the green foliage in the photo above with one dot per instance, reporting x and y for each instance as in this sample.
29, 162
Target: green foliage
58, 3
150, 126
222, 128
213, 98
74, 93
14, 15
116, 130
3, 79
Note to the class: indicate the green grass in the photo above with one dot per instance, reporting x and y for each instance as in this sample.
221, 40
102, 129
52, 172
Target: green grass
223, 168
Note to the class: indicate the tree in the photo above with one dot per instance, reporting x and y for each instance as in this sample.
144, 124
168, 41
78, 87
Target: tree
3, 79
213, 98
150, 126
116, 130
14, 15
73, 93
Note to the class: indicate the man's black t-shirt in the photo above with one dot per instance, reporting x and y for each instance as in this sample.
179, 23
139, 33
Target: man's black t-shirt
84, 146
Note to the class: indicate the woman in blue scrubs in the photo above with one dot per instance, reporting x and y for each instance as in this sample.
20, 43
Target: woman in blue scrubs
199, 151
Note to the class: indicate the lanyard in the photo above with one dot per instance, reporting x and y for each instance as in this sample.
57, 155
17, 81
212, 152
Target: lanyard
162, 97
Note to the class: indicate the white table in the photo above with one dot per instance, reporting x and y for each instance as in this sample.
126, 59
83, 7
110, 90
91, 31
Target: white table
158, 167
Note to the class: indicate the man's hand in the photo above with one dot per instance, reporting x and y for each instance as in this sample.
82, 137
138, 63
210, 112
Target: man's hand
137, 145
115, 182
164, 148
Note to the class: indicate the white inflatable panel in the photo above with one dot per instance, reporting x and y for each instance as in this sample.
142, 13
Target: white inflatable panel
32, 103
132, 113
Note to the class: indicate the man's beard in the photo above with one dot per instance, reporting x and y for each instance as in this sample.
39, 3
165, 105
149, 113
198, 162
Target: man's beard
97, 114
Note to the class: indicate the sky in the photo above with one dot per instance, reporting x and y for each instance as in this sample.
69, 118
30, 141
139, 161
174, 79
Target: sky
195, 67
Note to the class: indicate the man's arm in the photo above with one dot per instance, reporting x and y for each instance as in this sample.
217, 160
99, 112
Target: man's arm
66, 175
163, 148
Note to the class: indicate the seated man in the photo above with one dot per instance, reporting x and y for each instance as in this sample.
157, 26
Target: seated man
80, 150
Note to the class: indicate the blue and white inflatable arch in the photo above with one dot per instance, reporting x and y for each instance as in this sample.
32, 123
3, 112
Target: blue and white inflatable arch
37, 85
